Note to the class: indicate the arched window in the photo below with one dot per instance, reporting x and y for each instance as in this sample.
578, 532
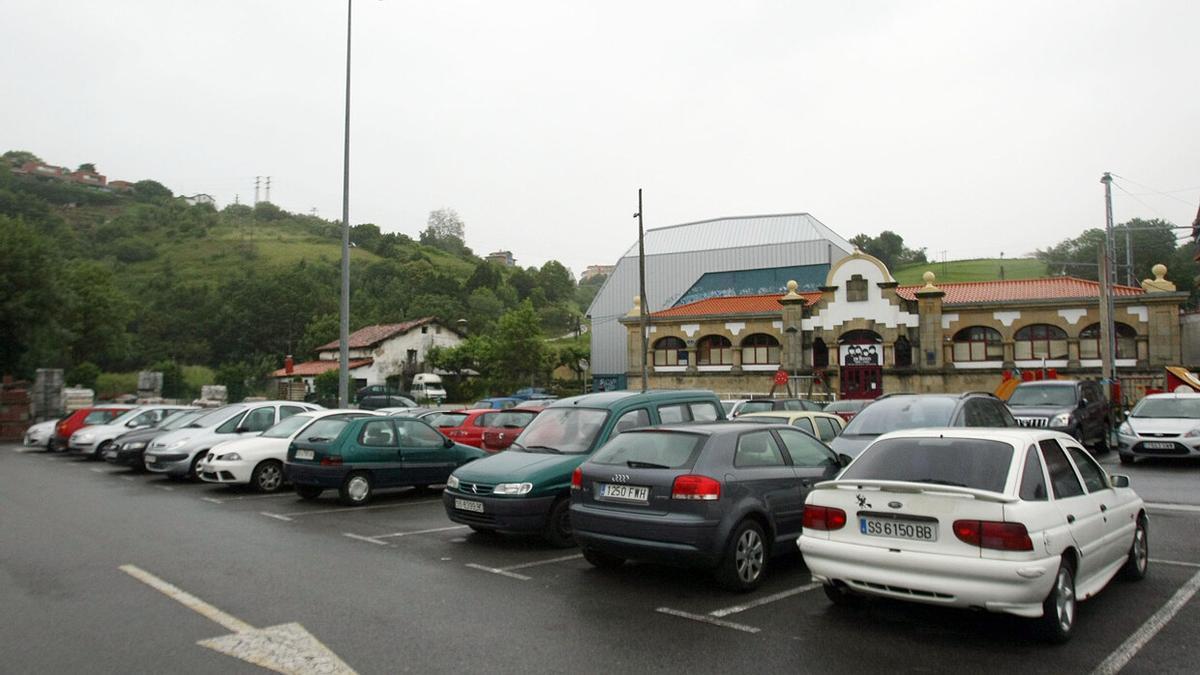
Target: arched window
714, 350
670, 351
856, 289
903, 352
820, 354
978, 343
760, 349
1089, 342
1040, 341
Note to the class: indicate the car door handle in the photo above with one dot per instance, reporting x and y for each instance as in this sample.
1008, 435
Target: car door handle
1070, 518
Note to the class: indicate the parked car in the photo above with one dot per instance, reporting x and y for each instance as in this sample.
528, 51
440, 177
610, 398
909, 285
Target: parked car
461, 425
501, 427
497, 403
527, 487
1021, 521
428, 387
847, 408
97, 414
825, 426
530, 393
178, 453
97, 439
912, 411
767, 404
374, 453
40, 435
377, 401
1075, 407
257, 461
405, 411
129, 448
722, 496
378, 390
1161, 425
537, 403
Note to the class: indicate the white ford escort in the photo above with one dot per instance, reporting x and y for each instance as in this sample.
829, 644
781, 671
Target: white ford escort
1021, 521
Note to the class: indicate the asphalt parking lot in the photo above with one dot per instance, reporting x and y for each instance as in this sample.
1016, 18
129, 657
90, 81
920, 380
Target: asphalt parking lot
105, 570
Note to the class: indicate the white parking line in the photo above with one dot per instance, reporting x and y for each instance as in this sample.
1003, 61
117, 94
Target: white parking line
429, 531
498, 570
126, 477
1192, 508
1174, 562
508, 570
370, 540
1128, 649
764, 600
543, 562
296, 514
705, 618
239, 498
168, 488
187, 599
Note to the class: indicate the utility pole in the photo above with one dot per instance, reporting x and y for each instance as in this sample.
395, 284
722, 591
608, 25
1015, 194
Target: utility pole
237, 198
344, 323
256, 181
1128, 256
645, 309
1108, 276
268, 200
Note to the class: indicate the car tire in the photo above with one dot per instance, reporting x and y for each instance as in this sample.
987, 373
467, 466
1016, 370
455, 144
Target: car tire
602, 560
1060, 606
308, 492
356, 489
1126, 458
100, 450
744, 564
558, 524
267, 476
193, 473
840, 595
1138, 562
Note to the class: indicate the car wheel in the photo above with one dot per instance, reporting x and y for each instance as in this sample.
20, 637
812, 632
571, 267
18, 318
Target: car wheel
1102, 442
745, 562
1126, 458
558, 525
308, 492
1138, 562
840, 595
1058, 610
267, 476
605, 561
356, 489
194, 472
101, 449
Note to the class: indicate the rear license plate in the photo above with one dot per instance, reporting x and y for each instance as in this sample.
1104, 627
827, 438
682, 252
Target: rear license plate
468, 505
304, 454
1158, 445
897, 529
624, 493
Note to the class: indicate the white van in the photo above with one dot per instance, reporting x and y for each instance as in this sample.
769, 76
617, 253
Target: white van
428, 387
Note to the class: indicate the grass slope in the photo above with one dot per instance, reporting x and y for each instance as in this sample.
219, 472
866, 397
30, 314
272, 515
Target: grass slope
979, 269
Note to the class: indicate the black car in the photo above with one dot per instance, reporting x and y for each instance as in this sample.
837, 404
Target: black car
1074, 407
377, 401
129, 449
723, 496
915, 411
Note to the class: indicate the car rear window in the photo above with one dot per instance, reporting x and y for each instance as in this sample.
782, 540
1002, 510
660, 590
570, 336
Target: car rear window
964, 462
1056, 395
902, 412
449, 419
324, 430
650, 450
507, 419
763, 419
756, 406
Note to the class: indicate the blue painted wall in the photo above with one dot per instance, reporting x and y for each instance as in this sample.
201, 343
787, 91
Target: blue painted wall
753, 282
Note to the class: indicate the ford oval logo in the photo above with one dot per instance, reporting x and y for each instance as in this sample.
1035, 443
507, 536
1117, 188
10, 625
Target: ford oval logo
895, 505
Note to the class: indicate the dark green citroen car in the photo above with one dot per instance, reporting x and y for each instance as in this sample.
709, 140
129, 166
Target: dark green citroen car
358, 456
527, 488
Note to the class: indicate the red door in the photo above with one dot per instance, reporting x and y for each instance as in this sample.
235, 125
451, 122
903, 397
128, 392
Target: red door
859, 382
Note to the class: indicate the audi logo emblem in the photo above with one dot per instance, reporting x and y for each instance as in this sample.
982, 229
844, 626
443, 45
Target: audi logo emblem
620, 478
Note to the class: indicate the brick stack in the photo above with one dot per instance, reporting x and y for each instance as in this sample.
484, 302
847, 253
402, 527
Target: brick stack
14, 409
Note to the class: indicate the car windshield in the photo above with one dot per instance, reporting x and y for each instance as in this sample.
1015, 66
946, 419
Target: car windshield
286, 428
650, 449
1188, 408
728, 406
901, 412
100, 417
763, 419
964, 462
756, 406
449, 419
215, 417
180, 419
511, 419
1053, 395
564, 430
126, 416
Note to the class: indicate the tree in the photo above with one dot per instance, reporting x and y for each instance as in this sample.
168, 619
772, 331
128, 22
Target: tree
19, 157
446, 231
556, 281
890, 249
1153, 243
518, 351
235, 378
83, 375
486, 274
173, 385
325, 385
87, 167
150, 191
31, 295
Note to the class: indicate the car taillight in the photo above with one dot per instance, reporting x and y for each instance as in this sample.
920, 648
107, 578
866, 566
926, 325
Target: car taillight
823, 518
695, 487
993, 534
577, 478
332, 460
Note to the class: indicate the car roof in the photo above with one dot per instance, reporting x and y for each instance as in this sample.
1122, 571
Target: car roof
1052, 383
1176, 394
605, 399
1014, 435
790, 414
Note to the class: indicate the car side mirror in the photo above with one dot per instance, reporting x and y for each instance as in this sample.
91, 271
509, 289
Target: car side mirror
131, 424
448, 442
1083, 402
1118, 480
844, 460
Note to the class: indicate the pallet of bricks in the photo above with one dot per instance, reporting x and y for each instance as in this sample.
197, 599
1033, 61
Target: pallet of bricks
14, 409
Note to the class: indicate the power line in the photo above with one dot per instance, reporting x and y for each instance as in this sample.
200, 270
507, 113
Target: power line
1155, 191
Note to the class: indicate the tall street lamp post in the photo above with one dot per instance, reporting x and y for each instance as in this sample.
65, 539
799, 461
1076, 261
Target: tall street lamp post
344, 327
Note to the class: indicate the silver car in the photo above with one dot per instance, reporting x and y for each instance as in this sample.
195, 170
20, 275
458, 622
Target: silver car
178, 453
95, 440
1161, 425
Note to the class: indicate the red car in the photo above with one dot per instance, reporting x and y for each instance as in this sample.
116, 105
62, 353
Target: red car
84, 417
461, 425
503, 427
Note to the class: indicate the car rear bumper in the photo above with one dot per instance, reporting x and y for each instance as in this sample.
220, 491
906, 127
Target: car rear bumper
517, 514
670, 538
311, 475
1013, 587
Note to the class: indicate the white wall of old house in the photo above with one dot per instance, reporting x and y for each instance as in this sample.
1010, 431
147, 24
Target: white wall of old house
391, 354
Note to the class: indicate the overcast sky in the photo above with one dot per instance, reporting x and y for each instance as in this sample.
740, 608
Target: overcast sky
971, 127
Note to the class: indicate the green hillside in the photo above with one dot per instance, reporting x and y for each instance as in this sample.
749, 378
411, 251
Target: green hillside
978, 269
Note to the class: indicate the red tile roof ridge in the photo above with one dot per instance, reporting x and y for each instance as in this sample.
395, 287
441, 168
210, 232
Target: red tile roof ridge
369, 336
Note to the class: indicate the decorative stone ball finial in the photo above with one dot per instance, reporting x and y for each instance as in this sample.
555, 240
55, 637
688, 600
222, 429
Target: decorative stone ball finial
929, 276
792, 285
1159, 284
1160, 272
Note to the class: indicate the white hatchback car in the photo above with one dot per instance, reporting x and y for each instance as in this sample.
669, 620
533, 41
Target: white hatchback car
258, 461
1021, 521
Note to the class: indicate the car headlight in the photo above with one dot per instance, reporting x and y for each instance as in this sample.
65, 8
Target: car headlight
231, 457
83, 438
1125, 428
452, 482
177, 444
134, 445
1061, 420
1193, 433
513, 489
